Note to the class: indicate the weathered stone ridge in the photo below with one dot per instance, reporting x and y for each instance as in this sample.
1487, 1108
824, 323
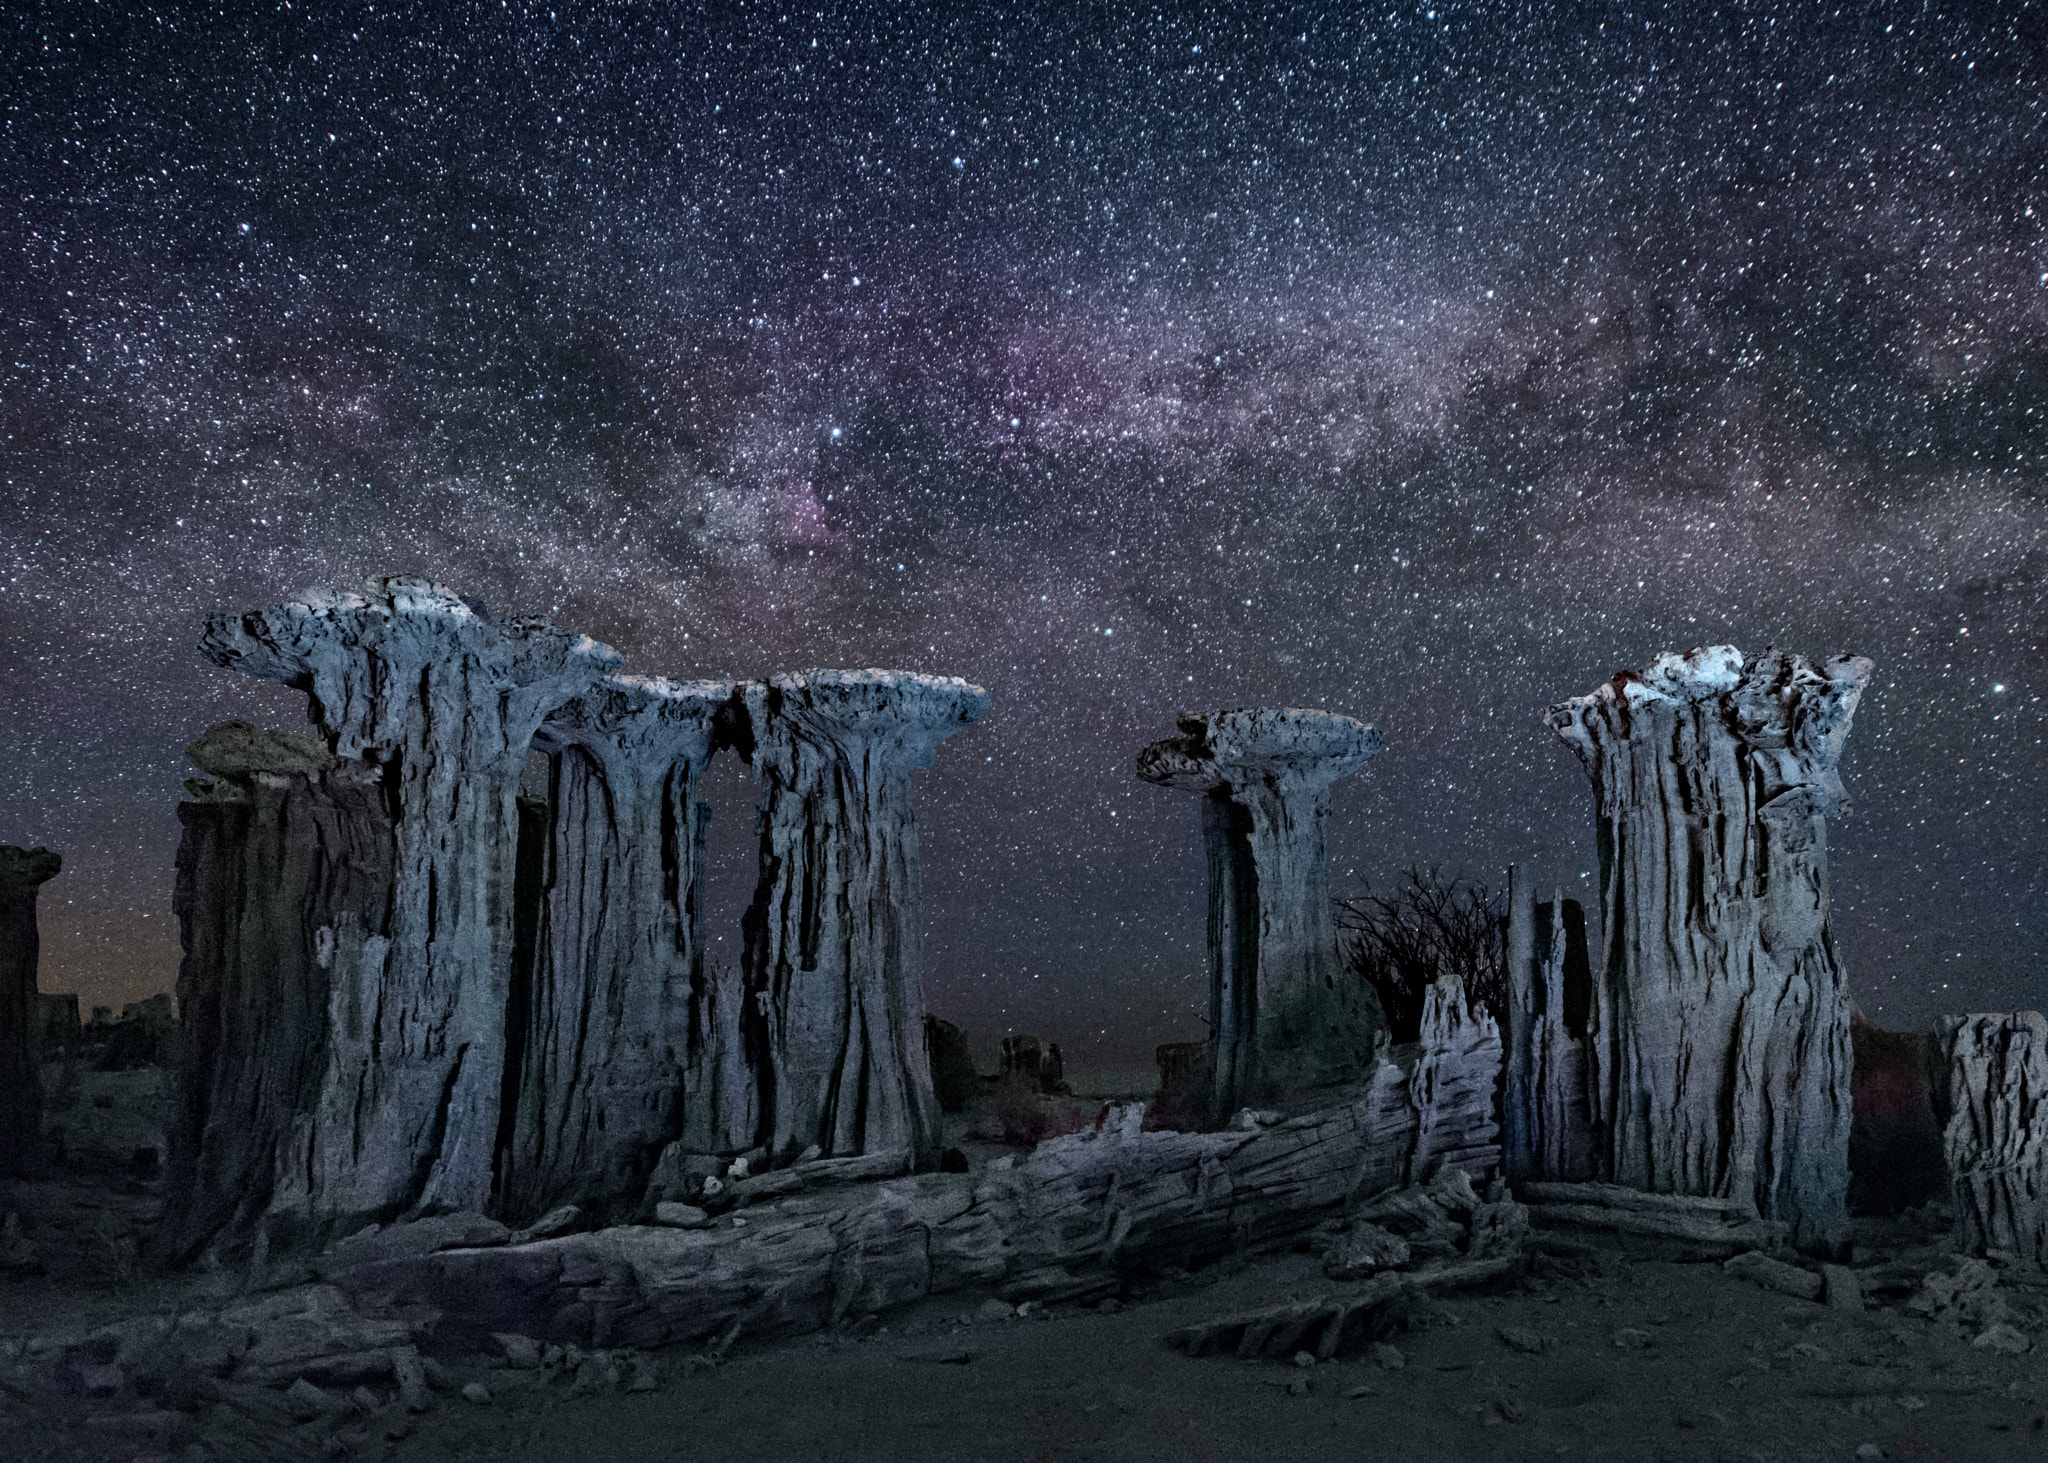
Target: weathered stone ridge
1066, 1221
283, 892
605, 1010
1285, 1018
834, 939
1993, 1089
1721, 1022
23, 871
443, 700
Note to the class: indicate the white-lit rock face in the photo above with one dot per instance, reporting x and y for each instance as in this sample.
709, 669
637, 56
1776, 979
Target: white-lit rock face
608, 1014
834, 940
1721, 1038
442, 700
1285, 1020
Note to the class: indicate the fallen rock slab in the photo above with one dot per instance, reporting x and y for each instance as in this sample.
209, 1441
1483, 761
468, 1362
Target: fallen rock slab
1775, 1275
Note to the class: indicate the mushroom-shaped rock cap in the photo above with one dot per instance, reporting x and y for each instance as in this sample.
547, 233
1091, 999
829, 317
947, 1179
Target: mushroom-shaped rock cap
904, 707
359, 653
1776, 700
650, 714
1223, 748
25, 868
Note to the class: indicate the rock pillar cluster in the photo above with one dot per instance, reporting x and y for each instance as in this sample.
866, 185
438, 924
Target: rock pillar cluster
442, 699
1720, 1037
446, 955
1992, 1088
1284, 1019
23, 871
834, 939
1546, 1109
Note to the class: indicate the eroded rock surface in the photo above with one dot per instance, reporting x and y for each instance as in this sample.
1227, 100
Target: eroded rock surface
441, 699
608, 1010
1546, 1109
1285, 1018
1721, 1044
1995, 1132
284, 881
834, 939
23, 871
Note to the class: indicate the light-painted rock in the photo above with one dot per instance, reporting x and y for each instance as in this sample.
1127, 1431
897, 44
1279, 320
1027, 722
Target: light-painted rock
1720, 1038
1546, 1105
613, 1015
835, 937
440, 700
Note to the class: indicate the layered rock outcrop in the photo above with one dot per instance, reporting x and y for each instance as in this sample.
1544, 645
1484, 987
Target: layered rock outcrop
441, 701
1992, 1096
834, 938
1721, 1022
1546, 1108
23, 871
283, 892
609, 1004
1284, 1018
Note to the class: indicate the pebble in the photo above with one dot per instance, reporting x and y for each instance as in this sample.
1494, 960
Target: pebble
1869, 1450
1388, 1356
476, 1392
1304, 1359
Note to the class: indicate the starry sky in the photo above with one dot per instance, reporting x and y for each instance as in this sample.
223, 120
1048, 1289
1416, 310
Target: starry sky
1427, 363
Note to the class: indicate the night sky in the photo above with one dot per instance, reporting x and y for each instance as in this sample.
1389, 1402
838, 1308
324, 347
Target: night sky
1427, 364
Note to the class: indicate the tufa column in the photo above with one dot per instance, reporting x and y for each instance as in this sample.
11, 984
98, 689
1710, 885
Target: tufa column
443, 700
1285, 1016
1721, 1019
834, 940
606, 1011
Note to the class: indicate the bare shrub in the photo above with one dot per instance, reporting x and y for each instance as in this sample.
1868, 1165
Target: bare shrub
1427, 927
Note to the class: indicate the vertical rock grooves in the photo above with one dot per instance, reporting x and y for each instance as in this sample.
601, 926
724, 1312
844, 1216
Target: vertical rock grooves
443, 700
1547, 1115
1992, 1093
23, 871
283, 899
1721, 1041
1284, 1017
833, 940
602, 1025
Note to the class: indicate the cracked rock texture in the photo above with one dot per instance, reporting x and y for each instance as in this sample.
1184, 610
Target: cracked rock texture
1993, 1095
23, 871
1546, 1111
1285, 1017
442, 699
1721, 1020
284, 880
834, 939
607, 1013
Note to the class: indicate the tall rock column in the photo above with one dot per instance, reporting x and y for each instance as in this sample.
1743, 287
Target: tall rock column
1721, 1049
283, 895
23, 871
1285, 1017
1546, 1113
1991, 1084
834, 940
605, 1016
443, 700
